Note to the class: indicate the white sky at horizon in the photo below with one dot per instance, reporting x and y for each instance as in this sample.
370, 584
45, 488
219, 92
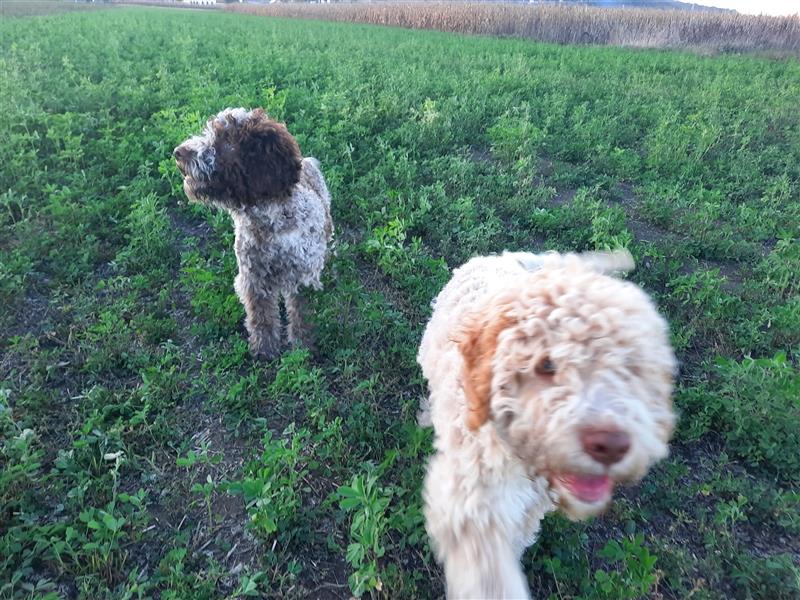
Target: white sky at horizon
754, 7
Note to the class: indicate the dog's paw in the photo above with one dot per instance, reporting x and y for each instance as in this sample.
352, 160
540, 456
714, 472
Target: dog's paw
306, 340
265, 354
264, 349
301, 336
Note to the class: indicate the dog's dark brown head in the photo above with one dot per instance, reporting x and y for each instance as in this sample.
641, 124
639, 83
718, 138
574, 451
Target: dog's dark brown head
241, 158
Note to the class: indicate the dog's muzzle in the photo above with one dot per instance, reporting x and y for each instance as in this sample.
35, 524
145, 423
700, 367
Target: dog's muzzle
182, 156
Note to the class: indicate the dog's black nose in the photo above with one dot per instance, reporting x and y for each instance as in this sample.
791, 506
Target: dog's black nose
180, 153
606, 447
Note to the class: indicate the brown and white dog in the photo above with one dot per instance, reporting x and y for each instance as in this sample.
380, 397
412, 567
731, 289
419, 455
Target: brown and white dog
250, 165
550, 382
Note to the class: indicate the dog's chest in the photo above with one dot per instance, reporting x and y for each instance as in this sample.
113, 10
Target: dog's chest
278, 242
268, 226
273, 220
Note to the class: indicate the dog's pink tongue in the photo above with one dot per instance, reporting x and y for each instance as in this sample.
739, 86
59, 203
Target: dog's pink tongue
588, 488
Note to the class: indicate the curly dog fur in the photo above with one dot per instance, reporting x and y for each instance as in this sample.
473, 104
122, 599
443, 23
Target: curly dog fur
251, 166
549, 382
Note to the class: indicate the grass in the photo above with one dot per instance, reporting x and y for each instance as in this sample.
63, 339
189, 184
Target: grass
144, 454
576, 24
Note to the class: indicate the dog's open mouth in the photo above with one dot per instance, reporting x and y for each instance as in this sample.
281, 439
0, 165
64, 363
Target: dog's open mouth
590, 489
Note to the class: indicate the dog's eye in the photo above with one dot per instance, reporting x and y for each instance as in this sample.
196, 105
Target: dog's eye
545, 367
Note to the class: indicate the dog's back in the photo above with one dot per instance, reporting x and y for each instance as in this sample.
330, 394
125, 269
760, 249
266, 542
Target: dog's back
470, 283
311, 177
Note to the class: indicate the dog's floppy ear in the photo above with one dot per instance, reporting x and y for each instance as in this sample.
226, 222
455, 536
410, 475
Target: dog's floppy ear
478, 343
269, 156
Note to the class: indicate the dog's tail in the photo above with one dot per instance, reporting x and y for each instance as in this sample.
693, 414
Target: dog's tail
311, 175
611, 262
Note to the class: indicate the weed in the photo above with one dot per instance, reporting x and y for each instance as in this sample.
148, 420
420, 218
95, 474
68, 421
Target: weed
637, 576
271, 487
368, 503
743, 402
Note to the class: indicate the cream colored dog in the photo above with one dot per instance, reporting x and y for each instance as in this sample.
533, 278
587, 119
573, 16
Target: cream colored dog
549, 382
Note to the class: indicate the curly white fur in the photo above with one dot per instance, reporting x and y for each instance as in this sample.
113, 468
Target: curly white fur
523, 354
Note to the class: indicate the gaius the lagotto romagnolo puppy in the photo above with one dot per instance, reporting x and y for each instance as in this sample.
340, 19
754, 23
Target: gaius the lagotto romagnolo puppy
549, 383
251, 166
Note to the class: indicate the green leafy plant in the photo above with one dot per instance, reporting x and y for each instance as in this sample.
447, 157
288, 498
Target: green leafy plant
635, 577
368, 503
271, 487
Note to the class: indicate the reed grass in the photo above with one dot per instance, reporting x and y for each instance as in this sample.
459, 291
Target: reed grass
649, 28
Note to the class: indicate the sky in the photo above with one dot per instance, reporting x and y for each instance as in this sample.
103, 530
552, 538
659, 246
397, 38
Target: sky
770, 7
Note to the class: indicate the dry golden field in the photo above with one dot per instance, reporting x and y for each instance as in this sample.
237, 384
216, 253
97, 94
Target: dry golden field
709, 31
28, 8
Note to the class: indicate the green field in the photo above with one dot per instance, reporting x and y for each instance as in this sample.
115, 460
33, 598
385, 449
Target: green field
143, 453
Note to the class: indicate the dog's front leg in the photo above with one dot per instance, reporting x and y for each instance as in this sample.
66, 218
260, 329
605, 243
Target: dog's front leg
262, 318
482, 564
297, 331
472, 537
